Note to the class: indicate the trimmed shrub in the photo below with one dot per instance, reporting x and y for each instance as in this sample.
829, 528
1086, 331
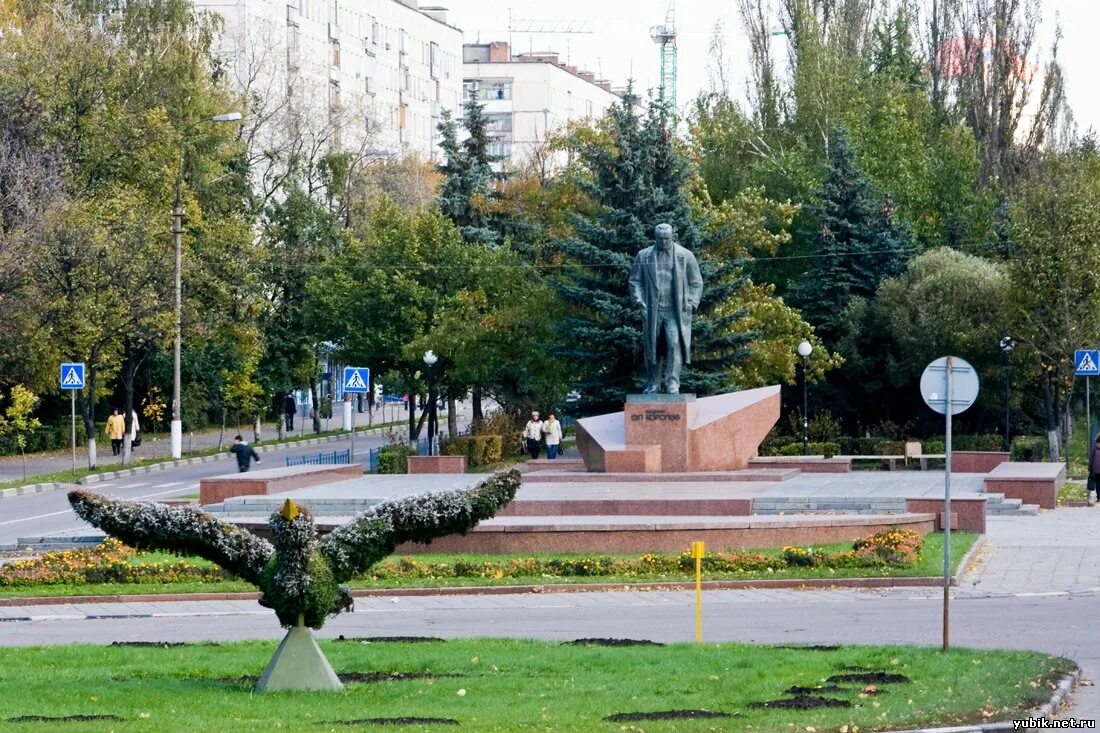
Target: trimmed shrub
508, 426
395, 458
934, 447
893, 448
983, 442
1030, 448
870, 446
815, 449
480, 450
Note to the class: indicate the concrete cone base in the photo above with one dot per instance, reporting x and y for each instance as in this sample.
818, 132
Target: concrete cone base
298, 664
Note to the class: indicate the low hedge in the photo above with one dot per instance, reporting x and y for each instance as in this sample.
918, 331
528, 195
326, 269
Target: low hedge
395, 459
480, 450
814, 449
1030, 448
45, 438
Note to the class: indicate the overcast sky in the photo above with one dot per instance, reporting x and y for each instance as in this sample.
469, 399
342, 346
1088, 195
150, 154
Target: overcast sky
619, 46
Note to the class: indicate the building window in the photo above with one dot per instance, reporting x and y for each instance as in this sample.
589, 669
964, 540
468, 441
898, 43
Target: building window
469, 88
500, 148
499, 122
334, 95
336, 54
496, 90
374, 31
402, 116
369, 86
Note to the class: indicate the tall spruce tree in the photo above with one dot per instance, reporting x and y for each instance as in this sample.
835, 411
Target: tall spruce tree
637, 181
467, 172
858, 244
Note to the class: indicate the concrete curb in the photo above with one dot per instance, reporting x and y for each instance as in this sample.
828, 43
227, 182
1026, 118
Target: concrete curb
30, 489
1046, 710
98, 478
486, 590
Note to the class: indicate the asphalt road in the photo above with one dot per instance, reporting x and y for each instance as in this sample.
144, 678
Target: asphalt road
48, 512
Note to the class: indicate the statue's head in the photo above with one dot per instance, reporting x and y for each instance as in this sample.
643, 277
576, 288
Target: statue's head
664, 235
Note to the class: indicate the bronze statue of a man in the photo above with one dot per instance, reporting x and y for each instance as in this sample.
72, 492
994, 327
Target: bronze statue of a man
666, 286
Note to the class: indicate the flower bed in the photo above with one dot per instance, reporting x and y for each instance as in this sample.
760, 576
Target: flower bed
113, 562
108, 562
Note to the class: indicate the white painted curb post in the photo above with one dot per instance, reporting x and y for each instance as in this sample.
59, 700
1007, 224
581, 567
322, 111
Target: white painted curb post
346, 426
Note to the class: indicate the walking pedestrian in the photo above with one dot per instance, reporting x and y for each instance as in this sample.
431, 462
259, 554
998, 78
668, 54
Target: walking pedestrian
116, 429
532, 435
290, 406
245, 454
552, 430
135, 430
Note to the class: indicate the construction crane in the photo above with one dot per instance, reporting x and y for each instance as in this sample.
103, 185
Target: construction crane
665, 37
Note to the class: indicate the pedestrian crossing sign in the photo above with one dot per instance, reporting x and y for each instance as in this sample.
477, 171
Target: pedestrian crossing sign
357, 380
72, 375
1086, 362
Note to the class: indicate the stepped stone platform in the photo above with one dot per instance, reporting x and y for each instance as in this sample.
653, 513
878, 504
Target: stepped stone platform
769, 475
1032, 483
272, 480
643, 533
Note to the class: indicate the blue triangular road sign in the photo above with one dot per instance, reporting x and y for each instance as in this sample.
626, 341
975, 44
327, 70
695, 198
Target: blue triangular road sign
72, 376
356, 379
1087, 362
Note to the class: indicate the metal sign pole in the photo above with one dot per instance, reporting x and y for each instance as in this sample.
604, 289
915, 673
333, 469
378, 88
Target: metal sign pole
1088, 424
353, 411
947, 514
72, 394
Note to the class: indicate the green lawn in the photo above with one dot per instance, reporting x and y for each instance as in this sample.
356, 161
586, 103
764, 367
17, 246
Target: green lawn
512, 685
931, 564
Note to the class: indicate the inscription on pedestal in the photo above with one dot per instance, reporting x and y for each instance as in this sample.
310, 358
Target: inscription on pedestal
656, 414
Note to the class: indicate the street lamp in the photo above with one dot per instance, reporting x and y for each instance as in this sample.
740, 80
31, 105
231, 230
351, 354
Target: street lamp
804, 350
1007, 344
177, 235
429, 361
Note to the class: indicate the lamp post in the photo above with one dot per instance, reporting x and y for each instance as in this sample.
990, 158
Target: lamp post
1007, 344
429, 361
177, 236
804, 350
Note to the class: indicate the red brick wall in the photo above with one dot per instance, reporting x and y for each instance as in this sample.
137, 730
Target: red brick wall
437, 464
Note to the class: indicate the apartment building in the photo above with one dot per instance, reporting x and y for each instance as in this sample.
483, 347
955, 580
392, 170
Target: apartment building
372, 75
529, 95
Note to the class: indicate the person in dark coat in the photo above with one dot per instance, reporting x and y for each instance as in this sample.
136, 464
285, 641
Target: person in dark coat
245, 454
290, 407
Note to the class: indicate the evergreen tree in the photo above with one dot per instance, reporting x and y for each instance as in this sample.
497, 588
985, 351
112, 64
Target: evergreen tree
467, 173
637, 181
858, 244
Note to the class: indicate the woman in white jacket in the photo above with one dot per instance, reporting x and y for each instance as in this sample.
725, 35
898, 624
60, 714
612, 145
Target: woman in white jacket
551, 429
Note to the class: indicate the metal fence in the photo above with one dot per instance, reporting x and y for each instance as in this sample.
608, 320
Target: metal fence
321, 459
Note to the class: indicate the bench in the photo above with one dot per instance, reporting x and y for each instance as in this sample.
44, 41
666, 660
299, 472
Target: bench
912, 452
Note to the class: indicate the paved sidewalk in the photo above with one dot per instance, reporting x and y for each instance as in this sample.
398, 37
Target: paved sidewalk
1054, 552
160, 446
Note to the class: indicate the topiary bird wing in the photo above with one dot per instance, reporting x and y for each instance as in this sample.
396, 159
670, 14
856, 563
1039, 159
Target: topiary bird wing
355, 546
183, 530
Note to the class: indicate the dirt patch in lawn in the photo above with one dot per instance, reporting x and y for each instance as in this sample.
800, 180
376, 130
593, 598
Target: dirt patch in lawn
392, 721
65, 719
801, 690
391, 639
812, 648
876, 677
801, 702
613, 642
364, 677
164, 644
669, 715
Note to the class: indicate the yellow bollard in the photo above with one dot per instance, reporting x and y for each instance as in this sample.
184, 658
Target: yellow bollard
698, 549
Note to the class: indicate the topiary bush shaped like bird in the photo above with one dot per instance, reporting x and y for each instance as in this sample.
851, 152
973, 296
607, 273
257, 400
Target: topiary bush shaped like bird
300, 574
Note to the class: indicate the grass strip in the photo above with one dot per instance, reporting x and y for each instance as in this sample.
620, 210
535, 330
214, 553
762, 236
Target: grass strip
513, 685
